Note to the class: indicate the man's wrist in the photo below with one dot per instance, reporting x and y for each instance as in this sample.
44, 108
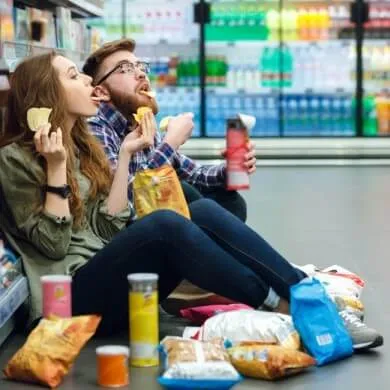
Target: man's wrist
172, 143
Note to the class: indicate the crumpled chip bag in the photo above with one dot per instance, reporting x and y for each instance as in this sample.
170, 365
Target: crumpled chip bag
158, 189
268, 361
252, 325
50, 350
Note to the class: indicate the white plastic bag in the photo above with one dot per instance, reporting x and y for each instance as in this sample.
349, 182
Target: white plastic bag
252, 325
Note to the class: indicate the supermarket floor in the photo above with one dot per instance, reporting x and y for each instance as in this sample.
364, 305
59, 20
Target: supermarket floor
320, 215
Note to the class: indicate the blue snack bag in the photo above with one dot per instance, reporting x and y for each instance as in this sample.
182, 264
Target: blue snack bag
318, 322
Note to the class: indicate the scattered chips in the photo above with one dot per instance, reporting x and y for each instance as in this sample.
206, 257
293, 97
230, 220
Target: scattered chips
141, 111
37, 117
164, 123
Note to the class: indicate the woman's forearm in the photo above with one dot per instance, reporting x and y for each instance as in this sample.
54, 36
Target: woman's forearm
55, 204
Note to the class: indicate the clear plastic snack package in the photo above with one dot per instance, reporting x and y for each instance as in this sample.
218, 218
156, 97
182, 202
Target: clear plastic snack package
192, 364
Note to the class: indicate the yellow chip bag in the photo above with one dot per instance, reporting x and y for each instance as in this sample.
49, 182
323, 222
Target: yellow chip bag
37, 117
141, 111
157, 189
50, 350
268, 361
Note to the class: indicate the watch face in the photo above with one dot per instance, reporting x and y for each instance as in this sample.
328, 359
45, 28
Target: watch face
66, 191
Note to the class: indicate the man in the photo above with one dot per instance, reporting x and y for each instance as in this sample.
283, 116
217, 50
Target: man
120, 82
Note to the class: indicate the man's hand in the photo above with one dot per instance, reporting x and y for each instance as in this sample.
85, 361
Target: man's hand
142, 137
179, 130
250, 157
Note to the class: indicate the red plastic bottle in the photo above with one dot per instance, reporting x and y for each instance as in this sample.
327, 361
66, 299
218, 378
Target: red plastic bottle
236, 148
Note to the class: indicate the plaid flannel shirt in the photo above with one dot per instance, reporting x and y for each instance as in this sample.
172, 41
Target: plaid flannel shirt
110, 127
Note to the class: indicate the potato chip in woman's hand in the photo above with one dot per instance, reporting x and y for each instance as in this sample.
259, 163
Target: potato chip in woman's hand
37, 117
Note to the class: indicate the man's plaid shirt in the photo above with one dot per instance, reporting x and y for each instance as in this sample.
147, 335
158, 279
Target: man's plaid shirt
111, 127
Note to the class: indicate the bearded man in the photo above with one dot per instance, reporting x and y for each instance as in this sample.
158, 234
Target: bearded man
122, 85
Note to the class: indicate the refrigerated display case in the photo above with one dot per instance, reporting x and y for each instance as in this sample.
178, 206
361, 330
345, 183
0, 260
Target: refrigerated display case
304, 68
288, 65
375, 69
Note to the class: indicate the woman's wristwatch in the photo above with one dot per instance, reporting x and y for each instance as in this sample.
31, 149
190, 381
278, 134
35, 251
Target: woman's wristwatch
63, 191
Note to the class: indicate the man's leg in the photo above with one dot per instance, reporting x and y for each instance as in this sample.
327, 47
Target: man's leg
190, 192
229, 200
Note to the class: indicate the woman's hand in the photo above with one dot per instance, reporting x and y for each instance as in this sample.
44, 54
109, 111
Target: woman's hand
142, 137
50, 146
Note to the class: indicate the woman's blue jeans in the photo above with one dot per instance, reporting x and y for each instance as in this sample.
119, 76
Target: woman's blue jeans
215, 251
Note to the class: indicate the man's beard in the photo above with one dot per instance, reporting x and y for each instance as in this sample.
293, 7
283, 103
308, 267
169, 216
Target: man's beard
128, 104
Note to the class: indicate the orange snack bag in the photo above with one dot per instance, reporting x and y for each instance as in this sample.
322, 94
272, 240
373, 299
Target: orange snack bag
268, 361
50, 350
159, 188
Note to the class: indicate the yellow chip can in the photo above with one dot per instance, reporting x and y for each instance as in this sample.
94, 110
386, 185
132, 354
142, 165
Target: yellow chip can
143, 320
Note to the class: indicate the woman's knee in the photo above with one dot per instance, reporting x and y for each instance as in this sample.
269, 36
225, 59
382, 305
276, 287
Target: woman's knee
165, 220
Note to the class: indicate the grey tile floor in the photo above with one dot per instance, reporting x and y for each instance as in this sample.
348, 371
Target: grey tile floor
329, 215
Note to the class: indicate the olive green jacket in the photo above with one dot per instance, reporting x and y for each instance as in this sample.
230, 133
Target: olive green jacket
48, 244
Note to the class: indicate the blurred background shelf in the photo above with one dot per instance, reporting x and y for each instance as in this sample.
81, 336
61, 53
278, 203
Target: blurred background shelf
79, 8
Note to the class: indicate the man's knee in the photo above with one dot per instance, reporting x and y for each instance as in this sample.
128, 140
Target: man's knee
231, 201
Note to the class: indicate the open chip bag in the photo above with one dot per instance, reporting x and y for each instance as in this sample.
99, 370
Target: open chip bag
50, 350
268, 361
157, 189
194, 364
252, 325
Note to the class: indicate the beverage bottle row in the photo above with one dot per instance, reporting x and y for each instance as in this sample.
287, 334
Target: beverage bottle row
235, 21
276, 67
376, 66
175, 71
295, 115
220, 107
302, 67
311, 115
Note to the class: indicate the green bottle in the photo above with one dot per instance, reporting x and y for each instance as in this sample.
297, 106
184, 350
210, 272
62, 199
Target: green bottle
370, 120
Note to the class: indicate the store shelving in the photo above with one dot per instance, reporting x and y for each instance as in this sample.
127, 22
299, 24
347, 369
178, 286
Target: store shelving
79, 8
14, 52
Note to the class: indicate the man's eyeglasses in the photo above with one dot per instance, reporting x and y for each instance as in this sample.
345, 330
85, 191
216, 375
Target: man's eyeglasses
127, 67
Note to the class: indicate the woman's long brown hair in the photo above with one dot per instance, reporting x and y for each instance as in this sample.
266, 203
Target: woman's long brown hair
35, 83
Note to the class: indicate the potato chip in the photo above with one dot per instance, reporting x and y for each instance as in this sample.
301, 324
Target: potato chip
164, 123
150, 94
141, 111
37, 117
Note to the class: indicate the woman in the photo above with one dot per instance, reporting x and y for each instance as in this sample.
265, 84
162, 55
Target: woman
65, 214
